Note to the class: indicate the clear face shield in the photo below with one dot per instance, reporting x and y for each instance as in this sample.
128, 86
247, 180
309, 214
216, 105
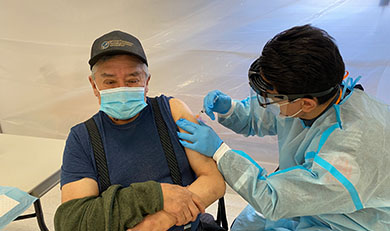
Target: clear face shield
276, 103
273, 105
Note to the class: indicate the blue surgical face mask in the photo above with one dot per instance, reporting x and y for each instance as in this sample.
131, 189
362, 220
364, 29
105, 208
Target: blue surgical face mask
122, 102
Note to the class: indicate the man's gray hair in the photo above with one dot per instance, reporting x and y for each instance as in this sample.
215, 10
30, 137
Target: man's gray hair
108, 57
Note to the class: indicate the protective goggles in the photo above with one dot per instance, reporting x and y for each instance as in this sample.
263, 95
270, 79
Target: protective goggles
264, 98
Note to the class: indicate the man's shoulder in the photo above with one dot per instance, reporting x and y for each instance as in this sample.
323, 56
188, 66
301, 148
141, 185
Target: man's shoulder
176, 107
81, 127
166, 101
162, 97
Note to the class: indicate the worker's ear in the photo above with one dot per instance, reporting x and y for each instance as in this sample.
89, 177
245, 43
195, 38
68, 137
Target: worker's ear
309, 105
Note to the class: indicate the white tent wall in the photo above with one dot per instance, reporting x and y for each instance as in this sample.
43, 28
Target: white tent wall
192, 46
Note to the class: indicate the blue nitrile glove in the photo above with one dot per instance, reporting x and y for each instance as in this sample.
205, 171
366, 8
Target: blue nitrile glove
204, 139
216, 101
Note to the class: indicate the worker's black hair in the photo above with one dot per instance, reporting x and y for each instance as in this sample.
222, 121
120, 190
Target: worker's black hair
303, 59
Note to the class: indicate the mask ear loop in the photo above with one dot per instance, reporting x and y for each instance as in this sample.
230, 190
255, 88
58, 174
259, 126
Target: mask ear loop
296, 113
96, 86
299, 111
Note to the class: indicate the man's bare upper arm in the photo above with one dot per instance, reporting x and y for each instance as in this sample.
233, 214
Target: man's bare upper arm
201, 164
79, 189
209, 185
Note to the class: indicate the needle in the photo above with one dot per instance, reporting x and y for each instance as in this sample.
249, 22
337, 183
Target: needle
198, 116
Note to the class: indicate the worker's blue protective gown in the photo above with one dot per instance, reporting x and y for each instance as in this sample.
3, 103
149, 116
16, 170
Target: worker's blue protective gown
334, 175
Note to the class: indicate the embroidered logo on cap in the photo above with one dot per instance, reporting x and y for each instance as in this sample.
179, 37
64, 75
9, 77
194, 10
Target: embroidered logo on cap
115, 43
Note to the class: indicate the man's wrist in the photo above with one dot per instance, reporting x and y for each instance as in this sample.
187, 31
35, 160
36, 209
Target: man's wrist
167, 219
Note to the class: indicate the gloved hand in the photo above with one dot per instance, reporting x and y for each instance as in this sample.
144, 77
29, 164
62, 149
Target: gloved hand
204, 139
216, 101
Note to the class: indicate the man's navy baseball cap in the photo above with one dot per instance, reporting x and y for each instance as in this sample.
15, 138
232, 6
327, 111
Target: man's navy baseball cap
115, 43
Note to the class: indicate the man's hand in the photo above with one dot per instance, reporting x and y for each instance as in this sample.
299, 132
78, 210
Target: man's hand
181, 203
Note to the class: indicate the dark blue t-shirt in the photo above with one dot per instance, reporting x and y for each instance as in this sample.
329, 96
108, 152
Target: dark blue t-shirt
133, 151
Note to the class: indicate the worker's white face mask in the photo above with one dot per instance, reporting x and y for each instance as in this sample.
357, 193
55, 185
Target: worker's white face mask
275, 109
122, 102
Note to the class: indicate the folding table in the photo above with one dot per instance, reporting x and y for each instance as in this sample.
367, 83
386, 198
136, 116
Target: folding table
31, 164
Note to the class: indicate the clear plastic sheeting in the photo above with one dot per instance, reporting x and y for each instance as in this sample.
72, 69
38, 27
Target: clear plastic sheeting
192, 47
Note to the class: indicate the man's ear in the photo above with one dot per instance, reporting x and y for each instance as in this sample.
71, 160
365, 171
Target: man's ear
147, 85
309, 105
93, 85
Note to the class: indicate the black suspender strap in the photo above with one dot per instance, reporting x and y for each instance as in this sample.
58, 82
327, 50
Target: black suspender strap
221, 214
167, 146
100, 156
166, 143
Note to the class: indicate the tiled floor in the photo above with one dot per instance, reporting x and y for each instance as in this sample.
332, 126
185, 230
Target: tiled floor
50, 202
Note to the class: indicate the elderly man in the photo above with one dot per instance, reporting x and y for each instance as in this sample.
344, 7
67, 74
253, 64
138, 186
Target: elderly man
134, 155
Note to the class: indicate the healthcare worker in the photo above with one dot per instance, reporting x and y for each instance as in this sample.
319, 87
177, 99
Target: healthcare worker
334, 140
